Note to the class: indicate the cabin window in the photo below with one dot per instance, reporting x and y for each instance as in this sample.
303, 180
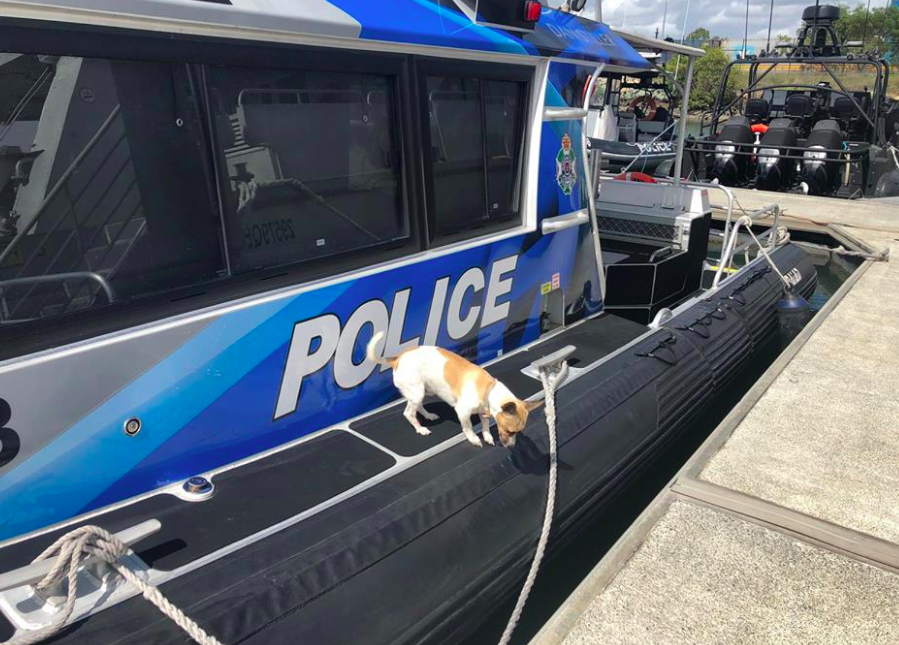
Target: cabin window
476, 139
599, 96
104, 194
311, 163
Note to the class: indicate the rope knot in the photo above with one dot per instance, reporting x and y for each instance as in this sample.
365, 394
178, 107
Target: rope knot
70, 552
73, 548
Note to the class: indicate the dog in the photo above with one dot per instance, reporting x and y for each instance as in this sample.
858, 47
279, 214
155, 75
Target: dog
469, 389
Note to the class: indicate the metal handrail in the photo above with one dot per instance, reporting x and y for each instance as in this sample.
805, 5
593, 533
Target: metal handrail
707, 146
110, 246
728, 251
55, 277
728, 193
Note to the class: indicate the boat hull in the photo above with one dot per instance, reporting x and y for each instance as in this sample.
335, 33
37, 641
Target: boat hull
428, 550
640, 157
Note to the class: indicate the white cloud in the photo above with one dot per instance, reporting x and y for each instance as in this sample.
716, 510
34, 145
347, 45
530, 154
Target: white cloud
721, 17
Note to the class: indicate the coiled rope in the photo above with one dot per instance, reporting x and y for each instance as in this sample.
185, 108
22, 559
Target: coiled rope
71, 550
551, 381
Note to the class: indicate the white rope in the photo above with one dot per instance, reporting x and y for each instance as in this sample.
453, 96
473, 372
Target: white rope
893, 152
550, 383
748, 225
746, 222
70, 551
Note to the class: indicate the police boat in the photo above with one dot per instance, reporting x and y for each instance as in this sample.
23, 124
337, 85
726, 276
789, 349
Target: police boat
207, 209
815, 117
630, 119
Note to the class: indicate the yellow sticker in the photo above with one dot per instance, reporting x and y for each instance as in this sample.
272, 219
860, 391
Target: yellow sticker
546, 287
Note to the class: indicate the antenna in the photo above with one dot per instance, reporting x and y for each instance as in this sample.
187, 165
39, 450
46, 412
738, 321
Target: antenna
865, 28
746, 29
770, 18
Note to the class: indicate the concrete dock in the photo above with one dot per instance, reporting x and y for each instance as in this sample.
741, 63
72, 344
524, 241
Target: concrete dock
784, 526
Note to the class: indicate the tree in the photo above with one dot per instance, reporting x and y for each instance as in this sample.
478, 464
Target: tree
700, 33
879, 31
707, 74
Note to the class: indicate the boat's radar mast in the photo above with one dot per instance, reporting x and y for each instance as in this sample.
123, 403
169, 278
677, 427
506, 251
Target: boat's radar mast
818, 36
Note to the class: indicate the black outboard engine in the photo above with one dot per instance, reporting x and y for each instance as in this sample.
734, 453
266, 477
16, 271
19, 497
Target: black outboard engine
773, 171
730, 168
820, 171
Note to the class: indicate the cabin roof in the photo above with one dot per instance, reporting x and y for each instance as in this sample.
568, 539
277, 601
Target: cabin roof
427, 23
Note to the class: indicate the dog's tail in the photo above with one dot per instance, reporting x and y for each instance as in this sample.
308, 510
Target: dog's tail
371, 352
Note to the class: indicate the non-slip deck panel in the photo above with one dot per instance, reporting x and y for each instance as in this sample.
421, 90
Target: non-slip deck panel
593, 340
247, 499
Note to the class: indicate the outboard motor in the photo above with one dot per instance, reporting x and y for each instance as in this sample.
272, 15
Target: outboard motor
820, 171
773, 171
730, 168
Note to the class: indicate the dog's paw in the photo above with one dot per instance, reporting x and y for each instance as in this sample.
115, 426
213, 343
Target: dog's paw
424, 432
428, 416
488, 438
473, 440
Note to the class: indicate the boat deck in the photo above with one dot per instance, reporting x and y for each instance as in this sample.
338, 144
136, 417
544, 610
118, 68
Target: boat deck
784, 526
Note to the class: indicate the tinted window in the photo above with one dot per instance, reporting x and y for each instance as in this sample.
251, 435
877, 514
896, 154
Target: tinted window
312, 163
476, 132
103, 188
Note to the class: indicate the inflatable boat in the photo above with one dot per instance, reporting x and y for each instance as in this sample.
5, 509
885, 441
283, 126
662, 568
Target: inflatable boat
216, 205
646, 157
817, 119
630, 116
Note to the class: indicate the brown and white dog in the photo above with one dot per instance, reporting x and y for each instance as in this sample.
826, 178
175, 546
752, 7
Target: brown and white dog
469, 389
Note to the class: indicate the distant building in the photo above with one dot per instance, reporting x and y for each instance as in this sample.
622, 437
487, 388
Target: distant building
733, 47
754, 46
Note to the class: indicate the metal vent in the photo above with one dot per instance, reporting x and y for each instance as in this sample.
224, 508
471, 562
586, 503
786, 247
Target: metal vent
636, 228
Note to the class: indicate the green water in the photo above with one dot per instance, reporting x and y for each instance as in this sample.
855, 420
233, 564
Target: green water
561, 574
693, 126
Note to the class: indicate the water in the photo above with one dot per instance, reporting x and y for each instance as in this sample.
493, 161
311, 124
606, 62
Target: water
560, 574
693, 124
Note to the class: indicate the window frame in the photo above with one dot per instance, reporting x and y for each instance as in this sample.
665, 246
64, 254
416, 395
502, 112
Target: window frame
198, 52
490, 71
391, 65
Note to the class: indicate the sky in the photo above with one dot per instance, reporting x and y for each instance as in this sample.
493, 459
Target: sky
721, 17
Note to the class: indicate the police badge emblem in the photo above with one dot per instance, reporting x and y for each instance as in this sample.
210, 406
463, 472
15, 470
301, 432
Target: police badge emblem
566, 175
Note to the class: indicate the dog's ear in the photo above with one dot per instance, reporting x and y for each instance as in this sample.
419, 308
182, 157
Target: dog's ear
509, 407
533, 405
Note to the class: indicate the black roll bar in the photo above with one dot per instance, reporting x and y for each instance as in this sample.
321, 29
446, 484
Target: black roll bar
753, 65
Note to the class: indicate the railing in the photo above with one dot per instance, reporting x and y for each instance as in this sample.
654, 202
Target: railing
833, 155
728, 193
103, 285
90, 264
729, 249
